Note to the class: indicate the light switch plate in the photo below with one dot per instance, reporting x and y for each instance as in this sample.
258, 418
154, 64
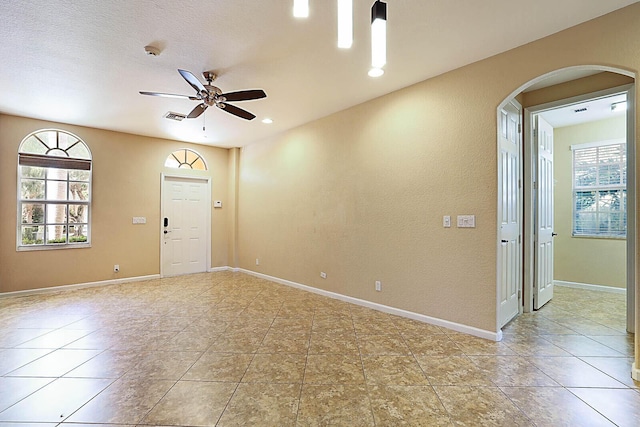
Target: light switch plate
446, 221
466, 221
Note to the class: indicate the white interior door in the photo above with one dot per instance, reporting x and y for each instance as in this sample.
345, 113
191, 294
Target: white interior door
543, 252
509, 214
184, 223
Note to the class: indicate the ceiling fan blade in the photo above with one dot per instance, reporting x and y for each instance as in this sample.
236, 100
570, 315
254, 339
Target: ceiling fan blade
236, 111
199, 109
244, 95
170, 95
192, 80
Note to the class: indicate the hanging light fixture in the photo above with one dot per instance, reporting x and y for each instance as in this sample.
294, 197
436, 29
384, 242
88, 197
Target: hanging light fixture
301, 8
345, 23
378, 38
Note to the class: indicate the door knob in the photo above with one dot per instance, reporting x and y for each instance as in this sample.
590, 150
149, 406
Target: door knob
504, 241
554, 234
167, 231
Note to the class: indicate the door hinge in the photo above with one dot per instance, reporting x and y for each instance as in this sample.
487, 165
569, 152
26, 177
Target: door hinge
535, 185
535, 133
519, 294
519, 128
519, 183
519, 238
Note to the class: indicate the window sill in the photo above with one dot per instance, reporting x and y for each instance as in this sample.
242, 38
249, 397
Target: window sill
591, 236
52, 247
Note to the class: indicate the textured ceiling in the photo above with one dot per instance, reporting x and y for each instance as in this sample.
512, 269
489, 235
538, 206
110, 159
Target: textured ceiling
83, 62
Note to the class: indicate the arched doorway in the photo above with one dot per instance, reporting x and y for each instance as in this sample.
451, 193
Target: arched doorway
572, 83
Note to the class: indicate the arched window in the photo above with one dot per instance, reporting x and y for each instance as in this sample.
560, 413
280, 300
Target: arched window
54, 191
185, 159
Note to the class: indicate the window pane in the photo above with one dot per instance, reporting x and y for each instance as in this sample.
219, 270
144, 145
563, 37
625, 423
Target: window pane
79, 151
56, 234
585, 201
56, 190
609, 200
78, 191
34, 145
31, 172
586, 223
171, 162
32, 213
585, 176
32, 189
32, 235
78, 233
609, 174
57, 173
65, 140
78, 213
79, 175
56, 214
199, 165
191, 156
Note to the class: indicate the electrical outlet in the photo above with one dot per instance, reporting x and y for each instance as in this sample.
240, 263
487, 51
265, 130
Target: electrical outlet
378, 286
323, 274
257, 261
116, 268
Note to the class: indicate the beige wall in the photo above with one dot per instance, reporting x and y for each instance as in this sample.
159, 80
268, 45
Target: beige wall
361, 194
126, 183
579, 259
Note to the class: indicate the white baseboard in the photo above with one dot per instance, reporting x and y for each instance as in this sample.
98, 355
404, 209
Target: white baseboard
78, 286
589, 287
494, 336
635, 372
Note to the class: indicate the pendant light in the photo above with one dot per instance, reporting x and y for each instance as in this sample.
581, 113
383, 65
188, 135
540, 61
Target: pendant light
345, 23
301, 8
378, 38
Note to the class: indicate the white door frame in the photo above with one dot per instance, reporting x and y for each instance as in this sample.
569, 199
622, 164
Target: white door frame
206, 179
633, 288
529, 168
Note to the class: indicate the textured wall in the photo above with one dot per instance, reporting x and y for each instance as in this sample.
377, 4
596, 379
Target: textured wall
361, 194
126, 183
579, 259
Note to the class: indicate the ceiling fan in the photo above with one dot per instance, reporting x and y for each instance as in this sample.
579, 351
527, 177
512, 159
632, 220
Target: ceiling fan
211, 95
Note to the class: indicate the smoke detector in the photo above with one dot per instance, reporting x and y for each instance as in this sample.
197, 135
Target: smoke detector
152, 50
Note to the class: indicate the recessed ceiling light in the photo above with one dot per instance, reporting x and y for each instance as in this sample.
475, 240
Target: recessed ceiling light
376, 72
267, 121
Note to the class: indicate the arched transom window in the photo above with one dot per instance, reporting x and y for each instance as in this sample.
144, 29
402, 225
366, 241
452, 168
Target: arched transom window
54, 191
185, 159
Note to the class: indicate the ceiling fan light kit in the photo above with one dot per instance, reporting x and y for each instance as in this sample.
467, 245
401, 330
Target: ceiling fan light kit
210, 95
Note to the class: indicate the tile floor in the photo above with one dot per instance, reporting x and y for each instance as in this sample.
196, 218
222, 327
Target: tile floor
228, 349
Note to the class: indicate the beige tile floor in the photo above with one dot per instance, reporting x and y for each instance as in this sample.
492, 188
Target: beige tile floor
229, 349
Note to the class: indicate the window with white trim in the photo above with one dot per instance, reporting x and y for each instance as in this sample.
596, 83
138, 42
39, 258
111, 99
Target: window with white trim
54, 191
600, 189
185, 159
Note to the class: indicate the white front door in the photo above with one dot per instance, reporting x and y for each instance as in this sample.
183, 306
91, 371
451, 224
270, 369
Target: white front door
509, 213
184, 225
543, 253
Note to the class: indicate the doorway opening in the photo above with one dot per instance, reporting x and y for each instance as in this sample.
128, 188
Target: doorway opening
535, 260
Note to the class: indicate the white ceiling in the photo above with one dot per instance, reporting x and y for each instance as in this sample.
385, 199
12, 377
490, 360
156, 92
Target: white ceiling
83, 62
583, 112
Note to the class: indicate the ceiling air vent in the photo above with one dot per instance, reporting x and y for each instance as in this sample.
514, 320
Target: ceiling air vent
580, 110
174, 116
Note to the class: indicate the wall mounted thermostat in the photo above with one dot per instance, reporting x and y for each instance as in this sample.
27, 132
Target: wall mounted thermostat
217, 204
